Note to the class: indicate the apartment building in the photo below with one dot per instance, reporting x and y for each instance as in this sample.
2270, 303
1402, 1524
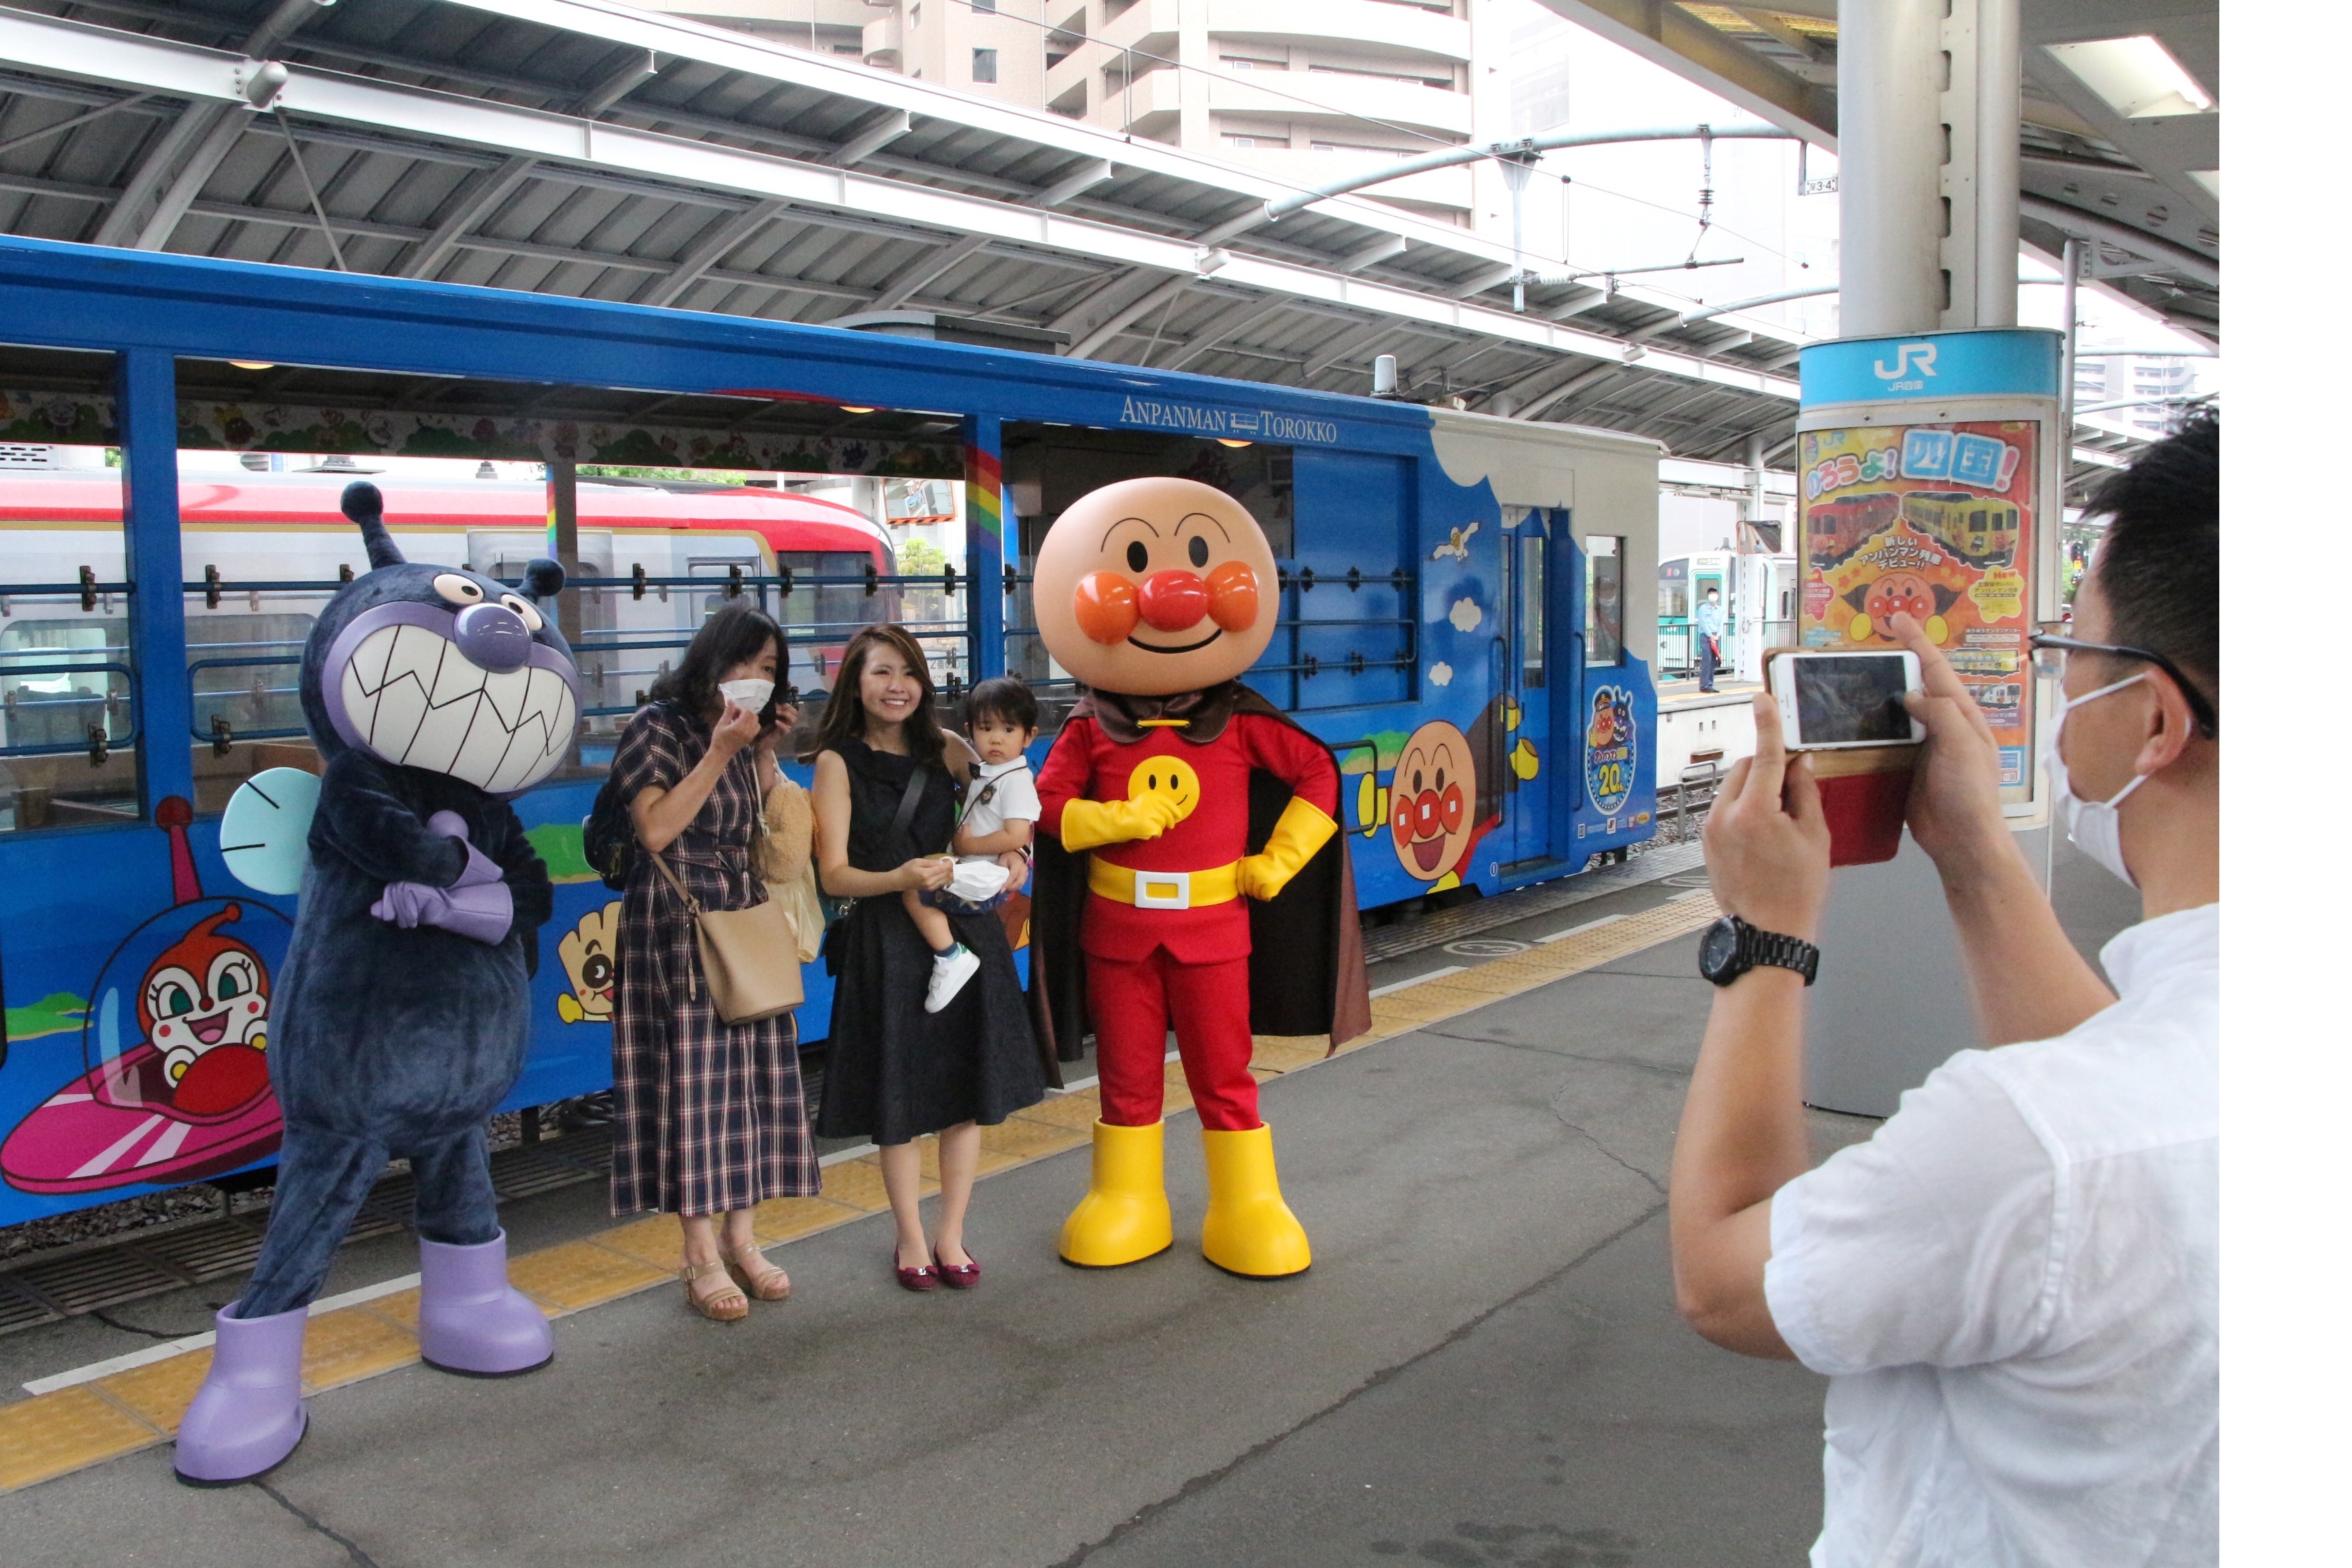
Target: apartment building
1305, 89
2142, 391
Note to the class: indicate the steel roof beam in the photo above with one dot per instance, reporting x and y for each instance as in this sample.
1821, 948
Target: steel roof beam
474, 203
1093, 172
565, 142
886, 128
726, 49
902, 285
1233, 320
721, 240
1670, 37
214, 130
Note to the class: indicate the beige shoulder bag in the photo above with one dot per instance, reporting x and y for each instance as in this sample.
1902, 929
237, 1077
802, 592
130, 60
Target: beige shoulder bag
750, 957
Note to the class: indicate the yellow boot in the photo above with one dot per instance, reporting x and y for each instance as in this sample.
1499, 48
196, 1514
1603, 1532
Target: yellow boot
1249, 1230
1123, 1218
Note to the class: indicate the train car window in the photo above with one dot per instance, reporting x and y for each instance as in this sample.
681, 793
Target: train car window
245, 673
1348, 640
68, 706
1674, 590
1531, 609
1604, 599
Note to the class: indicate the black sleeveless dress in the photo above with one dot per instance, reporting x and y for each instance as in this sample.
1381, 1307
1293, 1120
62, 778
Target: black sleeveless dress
893, 1071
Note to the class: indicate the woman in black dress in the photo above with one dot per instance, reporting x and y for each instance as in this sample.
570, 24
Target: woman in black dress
894, 1072
710, 1120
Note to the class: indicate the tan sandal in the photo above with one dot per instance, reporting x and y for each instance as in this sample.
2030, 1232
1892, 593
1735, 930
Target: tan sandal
772, 1284
723, 1306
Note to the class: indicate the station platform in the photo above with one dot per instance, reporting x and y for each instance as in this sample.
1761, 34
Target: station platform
1485, 1364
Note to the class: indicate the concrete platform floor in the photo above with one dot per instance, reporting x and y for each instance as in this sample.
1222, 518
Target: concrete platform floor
1483, 1366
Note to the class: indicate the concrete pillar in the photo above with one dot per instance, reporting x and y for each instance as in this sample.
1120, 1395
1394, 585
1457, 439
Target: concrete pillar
1997, 106
1927, 111
1890, 158
1978, 179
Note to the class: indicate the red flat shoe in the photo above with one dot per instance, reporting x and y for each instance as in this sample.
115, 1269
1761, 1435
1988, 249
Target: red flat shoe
964, 1276
926, 1278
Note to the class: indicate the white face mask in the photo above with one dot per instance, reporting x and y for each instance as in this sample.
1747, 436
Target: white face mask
749, 695
2094, 826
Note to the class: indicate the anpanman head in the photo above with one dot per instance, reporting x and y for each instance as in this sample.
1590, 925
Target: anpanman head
1149, 587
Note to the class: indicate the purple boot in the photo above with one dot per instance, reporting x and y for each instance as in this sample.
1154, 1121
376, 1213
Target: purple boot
249, 1415
469, 1319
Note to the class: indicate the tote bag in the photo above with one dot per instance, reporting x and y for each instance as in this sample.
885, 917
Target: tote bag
750, 957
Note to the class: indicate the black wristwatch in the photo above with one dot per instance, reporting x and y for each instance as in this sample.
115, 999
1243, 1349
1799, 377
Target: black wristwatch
1732, 947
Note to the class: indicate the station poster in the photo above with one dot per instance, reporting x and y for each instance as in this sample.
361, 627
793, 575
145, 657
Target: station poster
1937, 522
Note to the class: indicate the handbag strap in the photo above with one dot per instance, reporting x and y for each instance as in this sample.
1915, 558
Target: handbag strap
908, 801
693, 905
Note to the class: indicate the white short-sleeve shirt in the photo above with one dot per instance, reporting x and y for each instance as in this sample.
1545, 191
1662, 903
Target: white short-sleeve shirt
2014, 1290
999, 793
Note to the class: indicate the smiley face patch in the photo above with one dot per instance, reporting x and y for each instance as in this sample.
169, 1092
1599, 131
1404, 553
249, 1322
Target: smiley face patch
1169, 776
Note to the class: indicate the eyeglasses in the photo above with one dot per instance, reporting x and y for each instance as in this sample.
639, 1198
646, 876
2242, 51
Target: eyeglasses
2200, 709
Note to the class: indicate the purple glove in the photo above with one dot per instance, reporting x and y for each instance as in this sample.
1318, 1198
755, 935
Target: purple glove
479, 905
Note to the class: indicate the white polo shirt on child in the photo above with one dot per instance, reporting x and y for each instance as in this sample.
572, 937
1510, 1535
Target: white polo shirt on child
2014, 1290
999, 793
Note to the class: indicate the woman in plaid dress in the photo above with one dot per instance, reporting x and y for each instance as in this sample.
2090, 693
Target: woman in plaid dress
711, 1121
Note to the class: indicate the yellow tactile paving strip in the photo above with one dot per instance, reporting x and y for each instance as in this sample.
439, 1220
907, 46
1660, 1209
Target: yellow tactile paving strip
56, 1434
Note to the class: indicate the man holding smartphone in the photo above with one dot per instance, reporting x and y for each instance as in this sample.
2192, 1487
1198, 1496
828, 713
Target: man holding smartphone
2013, 1286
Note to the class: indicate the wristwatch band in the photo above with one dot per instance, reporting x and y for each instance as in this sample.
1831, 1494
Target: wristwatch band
1778, 950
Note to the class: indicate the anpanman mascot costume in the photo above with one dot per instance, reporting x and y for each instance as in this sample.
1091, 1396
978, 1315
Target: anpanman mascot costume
1186, 821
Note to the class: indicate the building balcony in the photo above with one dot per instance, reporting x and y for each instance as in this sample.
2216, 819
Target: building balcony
1357, 23
1149, 106
883, 40
1146, 19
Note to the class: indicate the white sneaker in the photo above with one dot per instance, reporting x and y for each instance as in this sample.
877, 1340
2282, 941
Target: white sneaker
947, 974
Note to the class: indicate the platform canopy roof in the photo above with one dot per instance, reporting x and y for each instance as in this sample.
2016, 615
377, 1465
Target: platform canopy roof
2091, 168
585, 148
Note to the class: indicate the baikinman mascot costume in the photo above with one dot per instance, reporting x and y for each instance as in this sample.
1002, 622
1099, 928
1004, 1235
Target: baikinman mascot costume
1190, 872
434, 695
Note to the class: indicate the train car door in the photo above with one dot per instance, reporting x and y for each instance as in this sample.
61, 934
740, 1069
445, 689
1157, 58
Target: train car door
1519, 741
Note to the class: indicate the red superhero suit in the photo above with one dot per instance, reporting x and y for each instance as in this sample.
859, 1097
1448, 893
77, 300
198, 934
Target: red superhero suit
1176, 950
1185, 818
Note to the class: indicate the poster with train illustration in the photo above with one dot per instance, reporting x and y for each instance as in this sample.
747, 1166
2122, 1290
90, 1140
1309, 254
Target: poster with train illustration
1935, 521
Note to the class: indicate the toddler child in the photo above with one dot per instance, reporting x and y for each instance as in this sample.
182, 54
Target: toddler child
999, 810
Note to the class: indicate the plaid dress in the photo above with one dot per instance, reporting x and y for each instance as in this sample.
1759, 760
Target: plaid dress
708, 1116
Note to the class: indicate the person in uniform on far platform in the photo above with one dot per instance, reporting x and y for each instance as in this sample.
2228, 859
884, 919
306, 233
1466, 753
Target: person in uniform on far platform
1708, 627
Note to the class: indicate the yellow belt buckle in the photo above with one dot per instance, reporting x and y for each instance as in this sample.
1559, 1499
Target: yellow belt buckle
1163, 889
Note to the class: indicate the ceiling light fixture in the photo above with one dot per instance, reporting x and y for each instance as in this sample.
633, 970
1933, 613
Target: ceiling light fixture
845, 408
253, 364
2136, 77
1229, 441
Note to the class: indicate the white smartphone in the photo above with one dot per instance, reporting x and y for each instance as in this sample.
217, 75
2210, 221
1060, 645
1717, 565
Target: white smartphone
1835, 699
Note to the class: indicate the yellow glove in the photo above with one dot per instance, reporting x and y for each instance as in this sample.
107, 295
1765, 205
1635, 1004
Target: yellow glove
1089, 823
1301, 832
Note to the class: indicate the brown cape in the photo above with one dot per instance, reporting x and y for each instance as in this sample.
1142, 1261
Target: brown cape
1296, 986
